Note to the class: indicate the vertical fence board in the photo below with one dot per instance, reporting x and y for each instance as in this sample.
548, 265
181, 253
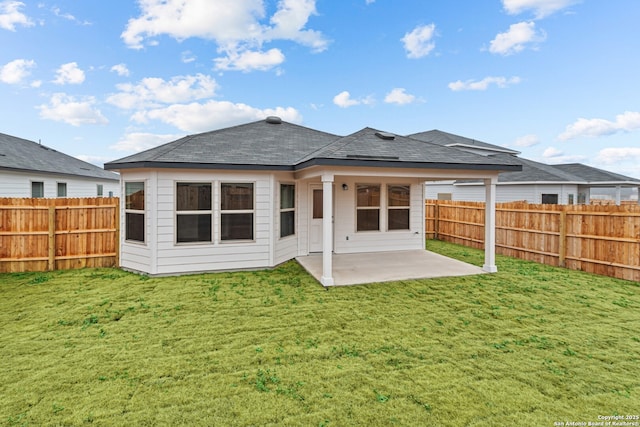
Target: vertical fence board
600, 239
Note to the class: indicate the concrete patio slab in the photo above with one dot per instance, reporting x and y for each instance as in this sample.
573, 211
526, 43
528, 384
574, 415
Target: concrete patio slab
355, 269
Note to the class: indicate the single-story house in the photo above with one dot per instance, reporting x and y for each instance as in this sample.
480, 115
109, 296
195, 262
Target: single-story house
536, 182
30, 169
258, 194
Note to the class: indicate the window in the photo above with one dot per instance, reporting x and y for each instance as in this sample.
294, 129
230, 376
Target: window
367, 207
287, 210
100, 190
134, 211
62, 189
571, 199
398, 205
37, 189
236, 211
193, 212
549, 199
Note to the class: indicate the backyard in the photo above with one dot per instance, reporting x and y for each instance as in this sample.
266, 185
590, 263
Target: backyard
529, 345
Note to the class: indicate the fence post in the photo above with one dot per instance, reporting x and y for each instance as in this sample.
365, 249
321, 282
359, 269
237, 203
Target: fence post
51, 265
436, 216
562, 244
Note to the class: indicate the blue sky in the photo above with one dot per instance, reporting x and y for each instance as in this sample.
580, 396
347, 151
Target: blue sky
554, 79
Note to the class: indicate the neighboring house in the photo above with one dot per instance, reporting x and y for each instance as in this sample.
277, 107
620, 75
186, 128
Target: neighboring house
572, 183
259, 194
29, 169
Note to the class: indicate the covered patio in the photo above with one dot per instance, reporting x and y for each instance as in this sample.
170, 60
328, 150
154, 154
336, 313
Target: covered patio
373, 267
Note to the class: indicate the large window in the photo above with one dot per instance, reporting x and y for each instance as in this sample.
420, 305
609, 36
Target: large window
367, 207
549, 199
193, 212
134, 211
398, 204
236, 211
62, 189
287, 210
37, 189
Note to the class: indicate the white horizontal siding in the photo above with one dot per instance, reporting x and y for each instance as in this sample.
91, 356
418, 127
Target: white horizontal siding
18, 184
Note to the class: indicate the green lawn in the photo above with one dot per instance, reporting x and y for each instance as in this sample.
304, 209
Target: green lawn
530, 345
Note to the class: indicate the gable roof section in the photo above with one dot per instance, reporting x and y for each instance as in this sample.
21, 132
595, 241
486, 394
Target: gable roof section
22, 155
285, 146
451, 140
373, 147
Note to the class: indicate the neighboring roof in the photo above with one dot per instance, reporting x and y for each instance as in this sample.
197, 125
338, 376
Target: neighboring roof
573, 173
593, 175
277, 145
19, 154
451, 140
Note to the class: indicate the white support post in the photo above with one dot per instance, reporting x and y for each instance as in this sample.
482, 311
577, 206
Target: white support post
490, 226
327, 230
618, 195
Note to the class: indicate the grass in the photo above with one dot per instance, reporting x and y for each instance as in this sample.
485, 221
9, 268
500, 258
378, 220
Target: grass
529, 345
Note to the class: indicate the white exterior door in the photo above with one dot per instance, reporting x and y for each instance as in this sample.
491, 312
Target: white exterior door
315, 220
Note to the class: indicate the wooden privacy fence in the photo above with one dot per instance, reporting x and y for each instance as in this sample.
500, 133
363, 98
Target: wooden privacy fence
598, 239
58, 234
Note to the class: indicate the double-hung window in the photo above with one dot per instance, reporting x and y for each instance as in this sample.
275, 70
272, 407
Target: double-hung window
287, 210
367, 207
134, 211
62, 189
237, 210
37, 189
193, 212
398, 205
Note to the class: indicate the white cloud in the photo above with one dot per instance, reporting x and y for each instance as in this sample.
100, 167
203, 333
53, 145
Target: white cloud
515, 39
187, 57
615, 156
72, 110
16, 71
344, 100
501, 82
196, 117
625, 122
237, 26
154, 91
554, 156
69, 73
540, 8
526, 141
399, 96
120, 69
140, 141
370, 1
419, 42
250, 60
65, 15
10, 15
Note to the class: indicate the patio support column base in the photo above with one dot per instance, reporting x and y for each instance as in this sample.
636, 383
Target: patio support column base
490, 226
327, 230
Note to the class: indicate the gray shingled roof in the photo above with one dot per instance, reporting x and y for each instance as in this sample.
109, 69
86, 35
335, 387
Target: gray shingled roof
592, 175
451, 140
23, 155
285, 146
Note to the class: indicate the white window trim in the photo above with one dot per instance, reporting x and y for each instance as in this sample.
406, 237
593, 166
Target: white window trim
379, 208
281, 210
135, 211
240, 211
176, 212
31, 188
389, 207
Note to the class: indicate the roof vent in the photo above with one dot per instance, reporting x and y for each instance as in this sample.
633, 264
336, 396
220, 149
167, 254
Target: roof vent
385, 135
273, 120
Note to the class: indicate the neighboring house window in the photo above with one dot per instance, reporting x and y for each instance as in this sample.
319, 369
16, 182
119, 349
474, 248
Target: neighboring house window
62, 189
37, 189
582, 198
236, 211
367, 207
571, 197
100, 190
134, 211
193, 212
287, 210
549, 199
444, 196
110, 193
398, 206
